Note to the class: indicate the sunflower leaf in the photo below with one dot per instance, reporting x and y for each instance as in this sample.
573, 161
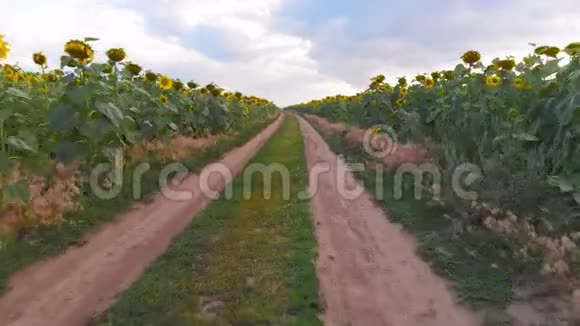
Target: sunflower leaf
18, 93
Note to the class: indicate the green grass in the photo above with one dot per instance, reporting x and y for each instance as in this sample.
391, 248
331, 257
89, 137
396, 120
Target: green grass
252, 258
52, 240
480, 266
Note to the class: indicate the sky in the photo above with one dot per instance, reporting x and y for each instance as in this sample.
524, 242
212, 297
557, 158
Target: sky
289, 51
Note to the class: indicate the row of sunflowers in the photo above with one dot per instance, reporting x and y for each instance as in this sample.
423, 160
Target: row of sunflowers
519, 121
84, 112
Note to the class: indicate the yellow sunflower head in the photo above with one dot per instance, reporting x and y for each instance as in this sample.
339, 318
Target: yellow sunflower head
52, 77
471, 57
404, 91
11, 72
79, 50
493, 81
116, 55
429, 83
401, 101
31, 79
519, 83
4, 48
39, 59
163, 99
165, 82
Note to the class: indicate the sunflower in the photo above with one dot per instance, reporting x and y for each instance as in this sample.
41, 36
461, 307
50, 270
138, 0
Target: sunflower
507, 64
31, 79
519, 83
493, 81
39, 59
192, 85
116, 55
151, 76
429, 83
404, 91
449, 75
4, 48
401, 101
177, 85
11, 72
549, 51
471, 57
572, 49
79, 50
435, 76
218, 92
52, 77
402, 82
420, 78
379, 79
165, 82
185, 91
164, 99
133, 69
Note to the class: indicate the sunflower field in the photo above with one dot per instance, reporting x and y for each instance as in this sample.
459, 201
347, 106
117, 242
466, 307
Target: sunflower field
84, 112
519, 121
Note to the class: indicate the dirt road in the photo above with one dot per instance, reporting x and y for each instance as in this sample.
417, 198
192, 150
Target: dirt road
73, 287
368, 270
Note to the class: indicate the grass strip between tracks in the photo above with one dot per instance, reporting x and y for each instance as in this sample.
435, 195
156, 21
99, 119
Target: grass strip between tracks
241, 261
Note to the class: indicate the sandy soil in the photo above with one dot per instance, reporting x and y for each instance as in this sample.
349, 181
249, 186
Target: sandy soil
73, 287
368, 270
397, 153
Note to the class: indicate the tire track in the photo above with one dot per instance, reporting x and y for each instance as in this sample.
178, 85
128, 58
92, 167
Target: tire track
71, 288
367, 267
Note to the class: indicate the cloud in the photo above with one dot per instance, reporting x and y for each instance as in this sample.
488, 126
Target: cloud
260, 48
263, 61
431, 37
